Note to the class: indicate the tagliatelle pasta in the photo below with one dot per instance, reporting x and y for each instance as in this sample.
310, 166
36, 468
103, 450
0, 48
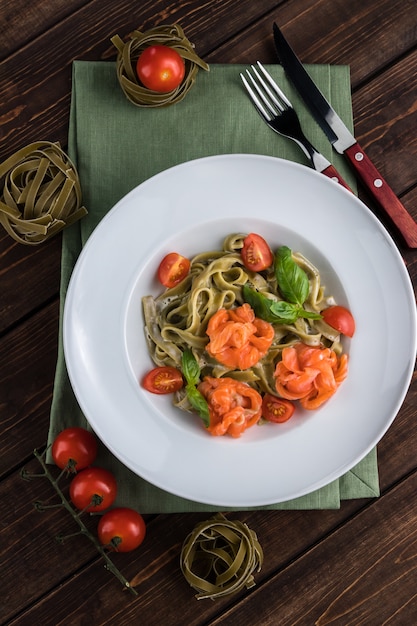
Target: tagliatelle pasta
41, 193
178, 318
219, 557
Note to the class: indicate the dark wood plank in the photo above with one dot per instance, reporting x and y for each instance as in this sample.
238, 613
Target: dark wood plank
27, 371
22, 22
29, 277
366, 38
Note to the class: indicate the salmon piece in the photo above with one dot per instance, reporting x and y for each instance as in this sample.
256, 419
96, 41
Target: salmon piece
233, 406
238, 339
309, 374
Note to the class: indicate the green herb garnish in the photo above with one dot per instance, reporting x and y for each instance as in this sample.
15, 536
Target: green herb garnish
291, 278
191, 372
273, 311
293, 285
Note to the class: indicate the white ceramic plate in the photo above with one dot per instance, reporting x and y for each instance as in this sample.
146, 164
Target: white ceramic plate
191, 208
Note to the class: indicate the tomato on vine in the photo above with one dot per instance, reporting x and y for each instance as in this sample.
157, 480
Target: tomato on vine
121, 529
74, 449
93, 489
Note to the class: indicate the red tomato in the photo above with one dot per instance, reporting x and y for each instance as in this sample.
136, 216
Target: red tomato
163, 380
173, 269
93, 489
160, 68
340, 319
122, 529
256, 254
275, 409
74, 449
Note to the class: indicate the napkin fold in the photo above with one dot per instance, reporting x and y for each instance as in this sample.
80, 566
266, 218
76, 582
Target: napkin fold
116, 146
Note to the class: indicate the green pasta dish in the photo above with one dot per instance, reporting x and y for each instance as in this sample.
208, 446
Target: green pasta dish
242, 334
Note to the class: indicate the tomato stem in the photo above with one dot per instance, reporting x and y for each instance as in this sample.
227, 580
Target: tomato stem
76, 515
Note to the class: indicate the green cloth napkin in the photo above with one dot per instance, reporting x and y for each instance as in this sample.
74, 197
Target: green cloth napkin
116, 146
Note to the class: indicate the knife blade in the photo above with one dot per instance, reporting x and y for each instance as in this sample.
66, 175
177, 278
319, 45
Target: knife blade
343, 141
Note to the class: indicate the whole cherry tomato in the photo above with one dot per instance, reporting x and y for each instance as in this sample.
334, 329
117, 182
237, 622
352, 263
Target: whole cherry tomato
256, 254
164, 379
173, 269
340, 319
122, 529
74, 449
160, 68
93, 489
275, 409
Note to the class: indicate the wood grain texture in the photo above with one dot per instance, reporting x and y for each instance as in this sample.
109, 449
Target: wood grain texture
349, 567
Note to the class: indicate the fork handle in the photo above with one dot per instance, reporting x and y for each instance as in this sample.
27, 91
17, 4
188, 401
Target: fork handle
331, 172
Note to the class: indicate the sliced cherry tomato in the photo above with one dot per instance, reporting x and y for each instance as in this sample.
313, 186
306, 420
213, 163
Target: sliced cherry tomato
275, 409
74, 449
164, 379
256, 254
93, 489
173, 269
160, 68
122, 529
340, 319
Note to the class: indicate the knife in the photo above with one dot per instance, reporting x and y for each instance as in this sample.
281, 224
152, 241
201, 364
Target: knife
343, 141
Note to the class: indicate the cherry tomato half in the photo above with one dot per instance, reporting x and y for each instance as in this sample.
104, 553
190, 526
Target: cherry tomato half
173, 269
163, 380
122, 529
74, 449
275, 409
340, 319
160, 68
93, 489
256, 254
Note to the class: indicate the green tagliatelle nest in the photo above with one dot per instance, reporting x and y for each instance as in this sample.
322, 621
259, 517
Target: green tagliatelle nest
41, 193
129, 52
219, 556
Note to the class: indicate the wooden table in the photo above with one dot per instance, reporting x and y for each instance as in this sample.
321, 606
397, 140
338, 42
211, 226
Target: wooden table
356, 565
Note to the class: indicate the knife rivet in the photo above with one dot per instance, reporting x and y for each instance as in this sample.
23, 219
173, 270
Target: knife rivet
359, 156
378, 182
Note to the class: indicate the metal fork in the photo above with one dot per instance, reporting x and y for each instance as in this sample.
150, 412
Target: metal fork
277, 111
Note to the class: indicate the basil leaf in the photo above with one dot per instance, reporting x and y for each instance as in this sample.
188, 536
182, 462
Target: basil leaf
270, 310
275, 311
191, 371
285, 311
309, 314
190, 368
199, 403
260, 304
292, 280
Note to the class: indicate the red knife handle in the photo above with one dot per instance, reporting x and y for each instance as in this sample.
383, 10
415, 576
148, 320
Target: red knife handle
331, 172
382, 193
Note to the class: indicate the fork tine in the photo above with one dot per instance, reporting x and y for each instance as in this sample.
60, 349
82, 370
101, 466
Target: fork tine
273, 84
266, 90
256, 101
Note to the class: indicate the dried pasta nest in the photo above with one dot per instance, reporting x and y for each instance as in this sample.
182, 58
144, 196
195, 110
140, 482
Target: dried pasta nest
41, 193
219, 557
129, 52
